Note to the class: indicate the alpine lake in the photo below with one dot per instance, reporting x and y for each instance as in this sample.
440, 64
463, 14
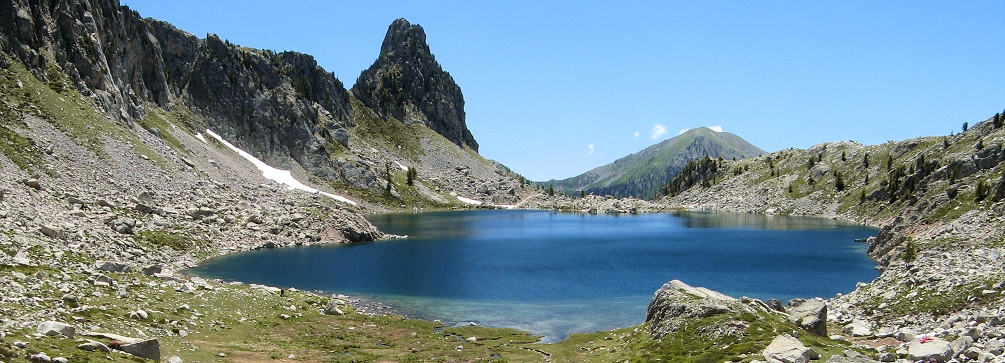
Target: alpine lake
553, 273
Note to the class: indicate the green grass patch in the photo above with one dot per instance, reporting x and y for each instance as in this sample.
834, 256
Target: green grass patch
157, 122
67, 110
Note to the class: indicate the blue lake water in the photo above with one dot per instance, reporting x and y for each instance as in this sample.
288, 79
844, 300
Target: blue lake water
557, 273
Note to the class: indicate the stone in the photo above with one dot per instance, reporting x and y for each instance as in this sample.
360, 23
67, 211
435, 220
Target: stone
471, 339
811, 315
886, 357
60, 360
332, 309
152, 270
858, 329
40, 357
94, 346
51, 231
139, 315
113, 267
150, 349
175, 359
33, 183
53, 328
961, 344
935, 348
786, 349
906, 335
774, 304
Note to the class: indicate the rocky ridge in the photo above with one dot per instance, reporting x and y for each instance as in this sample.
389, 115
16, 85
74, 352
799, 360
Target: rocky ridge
940, 243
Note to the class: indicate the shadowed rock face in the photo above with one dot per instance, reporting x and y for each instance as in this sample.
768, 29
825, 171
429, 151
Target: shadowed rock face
407, 83
281, 107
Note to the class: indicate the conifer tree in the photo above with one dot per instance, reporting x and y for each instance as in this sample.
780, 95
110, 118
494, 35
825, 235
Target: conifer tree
889, 162
865, 161
966, 126
842, 157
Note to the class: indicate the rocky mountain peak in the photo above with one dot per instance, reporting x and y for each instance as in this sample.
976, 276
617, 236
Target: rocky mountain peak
406, 39
408, 84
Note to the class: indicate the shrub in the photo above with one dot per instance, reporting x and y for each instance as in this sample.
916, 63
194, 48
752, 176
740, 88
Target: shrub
411, 174
982, 190
910, 252
838, 182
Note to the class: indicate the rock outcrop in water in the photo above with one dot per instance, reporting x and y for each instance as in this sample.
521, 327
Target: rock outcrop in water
407, 83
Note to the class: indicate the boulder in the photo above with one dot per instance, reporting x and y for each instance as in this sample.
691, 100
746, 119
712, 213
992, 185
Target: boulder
676, 301
54, 328
113, 267
774, 304
33, 183
858, 329
786, 349
939, 349
152, 270
811, 315
51, 231
94, 346
961, 344
150, 349
332, 309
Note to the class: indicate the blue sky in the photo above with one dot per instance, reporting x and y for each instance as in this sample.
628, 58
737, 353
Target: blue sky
553, 89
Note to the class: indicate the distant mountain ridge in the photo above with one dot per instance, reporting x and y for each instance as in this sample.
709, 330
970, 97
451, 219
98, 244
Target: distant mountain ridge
641, 174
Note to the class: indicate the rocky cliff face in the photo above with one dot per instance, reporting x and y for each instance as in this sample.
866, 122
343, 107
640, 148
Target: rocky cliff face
407, 83
282, 108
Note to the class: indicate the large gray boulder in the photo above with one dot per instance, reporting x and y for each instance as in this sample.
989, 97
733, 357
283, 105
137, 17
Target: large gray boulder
939, 349
150, 349
677, 301
811, 315
54, 328
786, 349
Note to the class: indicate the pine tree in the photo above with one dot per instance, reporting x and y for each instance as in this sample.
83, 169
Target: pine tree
865, 161
861, 197
889, 162
965, 126
997, 121
839, 182
945, 143
866, 179
842, 157
551, 190
582, 193
387, 177
411, 174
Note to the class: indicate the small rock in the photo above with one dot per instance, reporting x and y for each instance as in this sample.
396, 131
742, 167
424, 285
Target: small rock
60, 360
858, 329
175, 359
292, 356
20, 344
222, 355
471, 339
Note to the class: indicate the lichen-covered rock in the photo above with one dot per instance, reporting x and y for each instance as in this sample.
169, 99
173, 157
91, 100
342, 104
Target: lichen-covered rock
811, 315
677, 301
786, 349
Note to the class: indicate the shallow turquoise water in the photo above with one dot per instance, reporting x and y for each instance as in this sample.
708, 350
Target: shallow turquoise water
554, 273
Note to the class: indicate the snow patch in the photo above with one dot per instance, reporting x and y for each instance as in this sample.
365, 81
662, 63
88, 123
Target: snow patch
402, 167
199, 136
469, 200
278, 175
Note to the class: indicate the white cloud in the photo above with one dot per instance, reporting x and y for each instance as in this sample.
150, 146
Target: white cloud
659, 130
590, 147
636, 134
682, 131
716, 128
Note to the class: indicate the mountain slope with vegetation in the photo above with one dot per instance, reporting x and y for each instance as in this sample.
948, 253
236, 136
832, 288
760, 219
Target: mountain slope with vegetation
940, 203
641, 174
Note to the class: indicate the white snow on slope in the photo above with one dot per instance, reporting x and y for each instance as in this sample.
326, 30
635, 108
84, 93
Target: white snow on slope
402, 167
468, 200
199, 136
281, 176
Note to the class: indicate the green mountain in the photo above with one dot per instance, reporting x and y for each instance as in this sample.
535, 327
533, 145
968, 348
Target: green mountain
641, 174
